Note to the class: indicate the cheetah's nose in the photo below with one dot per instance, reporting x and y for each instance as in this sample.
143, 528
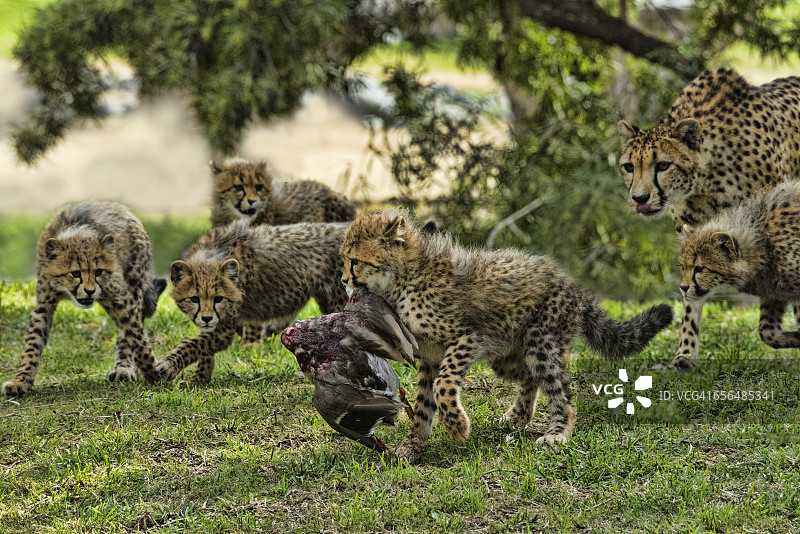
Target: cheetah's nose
89, 292
684, 288
206, 318
641, 199
252, 201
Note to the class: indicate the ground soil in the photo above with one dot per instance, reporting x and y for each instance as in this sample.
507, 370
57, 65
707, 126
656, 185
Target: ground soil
153, 158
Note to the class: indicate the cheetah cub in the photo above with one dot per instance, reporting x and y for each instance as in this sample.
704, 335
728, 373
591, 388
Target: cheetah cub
94, 252
244, 275
518, 311
248, 190
754, 248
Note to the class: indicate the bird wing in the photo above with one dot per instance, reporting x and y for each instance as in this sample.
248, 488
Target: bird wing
355, 413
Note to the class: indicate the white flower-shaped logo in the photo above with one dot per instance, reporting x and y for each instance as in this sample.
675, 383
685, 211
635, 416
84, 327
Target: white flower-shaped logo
642, 383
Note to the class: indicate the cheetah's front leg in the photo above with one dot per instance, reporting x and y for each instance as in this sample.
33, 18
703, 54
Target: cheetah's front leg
202, 348
424, 409
447, 386
39, 324
206, 363
769, 326
690, 331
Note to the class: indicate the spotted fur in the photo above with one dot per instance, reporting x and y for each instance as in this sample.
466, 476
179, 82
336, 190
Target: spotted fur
94, 252
241, 274
250, 190
520, 312
755, 249
723, 141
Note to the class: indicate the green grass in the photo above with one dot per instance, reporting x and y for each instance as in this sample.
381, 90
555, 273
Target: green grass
14, 14
19, 234
248, 453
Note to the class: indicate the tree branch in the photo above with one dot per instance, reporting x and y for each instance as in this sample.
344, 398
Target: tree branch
586, 18
512, 219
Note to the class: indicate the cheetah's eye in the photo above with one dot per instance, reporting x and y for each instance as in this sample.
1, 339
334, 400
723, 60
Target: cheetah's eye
217, 300
699, 269
662, 166
239, 188
76, 274
627, 167
98, 273
195, 299
260, 187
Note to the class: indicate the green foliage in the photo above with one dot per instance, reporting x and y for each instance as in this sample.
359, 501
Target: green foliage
248, 453
13, 15
561, 158
239, 61
557, 179
770, 26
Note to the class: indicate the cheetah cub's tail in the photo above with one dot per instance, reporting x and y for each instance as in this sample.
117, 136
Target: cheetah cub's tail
617, 339
151, 296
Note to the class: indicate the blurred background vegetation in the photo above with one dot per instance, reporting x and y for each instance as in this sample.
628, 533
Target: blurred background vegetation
549, 183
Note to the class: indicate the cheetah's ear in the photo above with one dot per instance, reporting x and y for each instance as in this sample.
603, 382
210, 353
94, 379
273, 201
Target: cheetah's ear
178, 270
107, 242
396, 230
51, 248
726, 243
215, 169
626, 130
688, 132
231, 269
687, 230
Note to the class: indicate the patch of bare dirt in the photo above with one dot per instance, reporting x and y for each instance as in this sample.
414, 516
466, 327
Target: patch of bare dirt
153, 158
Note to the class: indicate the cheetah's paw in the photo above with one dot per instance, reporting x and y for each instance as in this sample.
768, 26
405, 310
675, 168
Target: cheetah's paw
121, 374
682, 362
553, 439
457, 425
512, 418
165, 370
15, 388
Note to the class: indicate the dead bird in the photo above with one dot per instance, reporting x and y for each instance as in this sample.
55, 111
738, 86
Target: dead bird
344, 355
